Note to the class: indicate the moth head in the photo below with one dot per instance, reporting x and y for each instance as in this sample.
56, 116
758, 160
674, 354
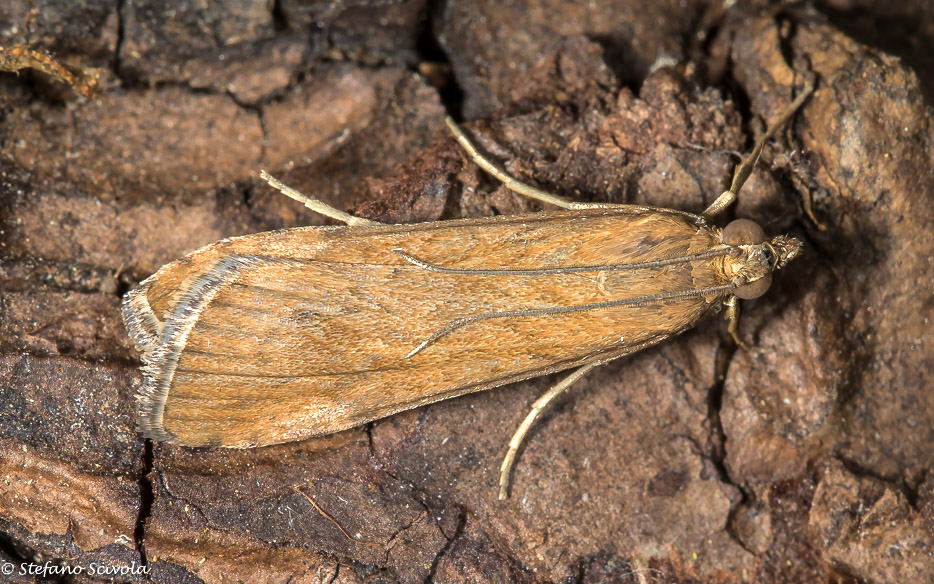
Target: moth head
758, 256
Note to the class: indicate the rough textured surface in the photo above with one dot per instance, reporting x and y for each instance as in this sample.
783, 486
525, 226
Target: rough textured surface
870, 529
807, 457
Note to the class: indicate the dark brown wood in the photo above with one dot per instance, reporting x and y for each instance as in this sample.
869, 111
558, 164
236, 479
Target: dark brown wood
805, 458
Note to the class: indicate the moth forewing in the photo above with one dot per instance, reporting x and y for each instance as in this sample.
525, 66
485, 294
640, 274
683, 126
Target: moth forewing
289, 334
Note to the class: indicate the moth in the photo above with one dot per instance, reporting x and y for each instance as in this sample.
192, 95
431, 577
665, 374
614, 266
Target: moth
289, 334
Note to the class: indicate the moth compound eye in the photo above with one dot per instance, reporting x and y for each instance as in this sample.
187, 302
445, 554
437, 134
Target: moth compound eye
742, 232
755, 289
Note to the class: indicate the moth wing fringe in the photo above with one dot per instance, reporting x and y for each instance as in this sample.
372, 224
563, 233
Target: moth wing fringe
162, 346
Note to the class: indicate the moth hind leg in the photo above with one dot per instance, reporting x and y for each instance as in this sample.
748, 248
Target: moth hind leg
538, 407
314, 204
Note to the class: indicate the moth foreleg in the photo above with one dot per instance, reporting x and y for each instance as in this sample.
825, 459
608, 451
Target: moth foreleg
744, 168
732, 315
314, 204
537, 408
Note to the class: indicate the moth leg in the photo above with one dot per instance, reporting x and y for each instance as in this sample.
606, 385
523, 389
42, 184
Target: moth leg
509, 182
744, 168
537, 408
808, 203
314, 204
519, 187
732, 315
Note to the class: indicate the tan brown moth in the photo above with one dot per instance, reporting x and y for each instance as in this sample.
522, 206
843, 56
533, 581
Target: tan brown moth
289, 334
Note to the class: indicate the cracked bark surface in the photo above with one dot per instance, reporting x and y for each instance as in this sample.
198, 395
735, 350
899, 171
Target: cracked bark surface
805, 458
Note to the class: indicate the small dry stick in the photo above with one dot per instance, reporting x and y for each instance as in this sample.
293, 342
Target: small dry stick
332, 520
83, 79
